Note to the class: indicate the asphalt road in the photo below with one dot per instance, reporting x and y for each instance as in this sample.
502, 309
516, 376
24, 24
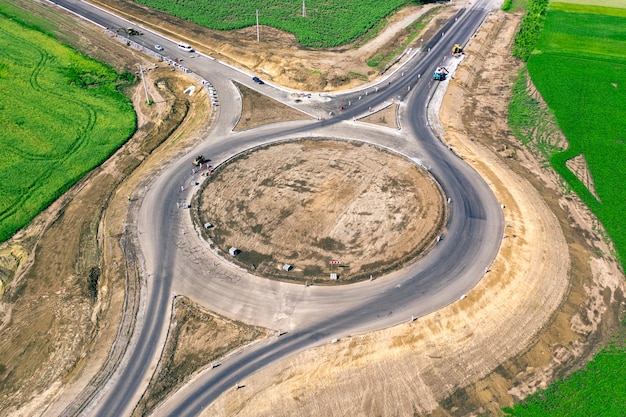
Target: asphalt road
176, 261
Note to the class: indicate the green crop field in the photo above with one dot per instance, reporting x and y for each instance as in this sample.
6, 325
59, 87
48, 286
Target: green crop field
61, 115
327, 23
598, 390
604, 3
580, 69
579, 66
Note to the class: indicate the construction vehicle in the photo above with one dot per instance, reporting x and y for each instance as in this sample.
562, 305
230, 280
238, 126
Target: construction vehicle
130, 31
200, 159
440, 74
457, 49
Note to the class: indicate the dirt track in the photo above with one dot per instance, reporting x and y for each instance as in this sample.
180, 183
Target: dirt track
553, 295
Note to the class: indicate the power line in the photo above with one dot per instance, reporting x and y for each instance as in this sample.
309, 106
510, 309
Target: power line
144, 84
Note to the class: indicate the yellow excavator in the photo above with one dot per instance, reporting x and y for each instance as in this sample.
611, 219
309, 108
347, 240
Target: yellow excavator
457, 49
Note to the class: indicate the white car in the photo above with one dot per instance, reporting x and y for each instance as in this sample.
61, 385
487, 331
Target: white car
158, 47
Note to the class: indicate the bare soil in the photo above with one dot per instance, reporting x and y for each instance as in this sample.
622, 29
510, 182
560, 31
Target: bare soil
258, 109
552, 298
308, 202
387, 117
195, 339
578, 166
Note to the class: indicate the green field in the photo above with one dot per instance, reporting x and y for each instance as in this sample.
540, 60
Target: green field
580, 69
327, 23
598, 390
579, 66
604, 3
61, 113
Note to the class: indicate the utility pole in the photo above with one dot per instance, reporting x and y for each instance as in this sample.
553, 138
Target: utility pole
303, 9
258, 35
144, 85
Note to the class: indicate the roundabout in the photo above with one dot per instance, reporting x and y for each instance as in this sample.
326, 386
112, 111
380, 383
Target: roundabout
179, 260
432, 333
176, 260
313, 210
304, 316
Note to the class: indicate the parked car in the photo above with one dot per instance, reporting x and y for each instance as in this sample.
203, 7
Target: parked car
158, 47
257, 80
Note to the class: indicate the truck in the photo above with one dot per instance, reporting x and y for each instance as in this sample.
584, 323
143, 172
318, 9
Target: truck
440, 74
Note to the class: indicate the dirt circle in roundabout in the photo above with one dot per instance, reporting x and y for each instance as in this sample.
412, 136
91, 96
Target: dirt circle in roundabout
292, 208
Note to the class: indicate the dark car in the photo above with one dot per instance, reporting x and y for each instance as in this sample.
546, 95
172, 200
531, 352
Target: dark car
257, 80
